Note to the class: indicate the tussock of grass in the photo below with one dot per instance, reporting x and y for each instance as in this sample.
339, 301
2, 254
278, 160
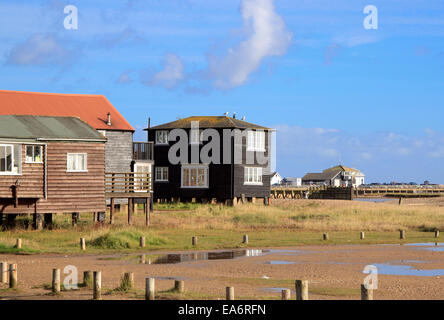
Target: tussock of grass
5, 249
123, 240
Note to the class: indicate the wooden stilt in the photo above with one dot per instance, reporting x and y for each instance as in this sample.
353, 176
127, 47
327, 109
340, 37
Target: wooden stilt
38, 221
111, 211
130, 211
147, 212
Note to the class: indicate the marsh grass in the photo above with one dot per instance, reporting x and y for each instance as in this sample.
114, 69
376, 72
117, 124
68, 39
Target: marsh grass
284, 223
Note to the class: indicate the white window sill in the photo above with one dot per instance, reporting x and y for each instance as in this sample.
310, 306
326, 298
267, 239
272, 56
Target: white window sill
256, 150
32, 162
254, 183
9, 174
76, 171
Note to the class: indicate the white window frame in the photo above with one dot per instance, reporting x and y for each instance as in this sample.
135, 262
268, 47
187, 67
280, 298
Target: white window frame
76, 154
33, 153
162, 170
12, 173
194, 167
102, 132
256, 140
256, 174
193, 137
164, 135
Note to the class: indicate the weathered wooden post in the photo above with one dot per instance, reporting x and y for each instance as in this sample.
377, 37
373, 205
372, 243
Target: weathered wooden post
400, 200
243, 198
87, 278
97, 293
230, 293
325, 236
362, 235
366, 294
13, 282
286, 294
147, 211
128, 280
194, 241
436, 233
130, 210
301, 289
149, 289
142, 242
245, 239
179, 286
142, 259
4, 272
82, 244
401, 234
111, 211
56, 280
18, 243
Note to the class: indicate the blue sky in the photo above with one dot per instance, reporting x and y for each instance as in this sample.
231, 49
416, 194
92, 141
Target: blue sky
372, 99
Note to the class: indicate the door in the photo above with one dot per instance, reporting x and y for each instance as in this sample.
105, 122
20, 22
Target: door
142, 184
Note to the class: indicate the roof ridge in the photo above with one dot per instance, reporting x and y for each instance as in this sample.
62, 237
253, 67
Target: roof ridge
53, 93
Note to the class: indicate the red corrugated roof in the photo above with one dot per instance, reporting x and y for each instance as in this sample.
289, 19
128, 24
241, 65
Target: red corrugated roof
93, 109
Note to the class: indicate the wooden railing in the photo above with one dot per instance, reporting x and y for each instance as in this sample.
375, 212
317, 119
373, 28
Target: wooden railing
127, 182
143, 151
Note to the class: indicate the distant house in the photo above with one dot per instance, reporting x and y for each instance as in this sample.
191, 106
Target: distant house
50, 164
292, 182
226, 180
275, 179
338, 176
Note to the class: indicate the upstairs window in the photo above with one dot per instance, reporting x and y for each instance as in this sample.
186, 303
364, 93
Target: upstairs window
76, 162
34, 154
161, 173
10, 159
195, 136
256, 141
253, 175
162, 137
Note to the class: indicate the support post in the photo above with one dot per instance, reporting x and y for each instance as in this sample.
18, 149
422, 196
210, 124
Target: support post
286, 294
130, 210
149, 289
97, 294
179, 286
56, 280
75, 218
38, 221
436, 233
18, 243
194, 241
111, 211
13, 282
245, 239
128, 280
230, 293
147, 212
301, 289
362, 235
325, 236
82, 244
87, 279
401, 234
4, 272
366, 294
142, 242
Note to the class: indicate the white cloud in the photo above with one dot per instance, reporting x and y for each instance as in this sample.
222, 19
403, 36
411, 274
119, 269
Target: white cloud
40, 49
124, 78
170, 75
267, 36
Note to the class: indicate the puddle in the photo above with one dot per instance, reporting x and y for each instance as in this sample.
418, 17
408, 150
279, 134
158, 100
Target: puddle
174, 258
280, 262
276, 290
373, 199
403, 270
431, 246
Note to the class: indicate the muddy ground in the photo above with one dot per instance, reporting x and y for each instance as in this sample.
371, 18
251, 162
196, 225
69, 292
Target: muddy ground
333, 272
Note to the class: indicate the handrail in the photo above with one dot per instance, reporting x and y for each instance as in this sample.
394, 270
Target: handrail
127, 182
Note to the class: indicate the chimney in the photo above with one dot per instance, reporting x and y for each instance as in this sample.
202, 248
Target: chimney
234, 115
243, 118
108, 122
149, 122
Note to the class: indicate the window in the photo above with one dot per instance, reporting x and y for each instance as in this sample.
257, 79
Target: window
34, 154
162, 137
253, 175
195, 136
161, 173
76, 162
195, 176
256, 141
10, 159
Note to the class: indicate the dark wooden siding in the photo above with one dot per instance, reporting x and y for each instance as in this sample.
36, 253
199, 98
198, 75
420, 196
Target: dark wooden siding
225, 180
66, 192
